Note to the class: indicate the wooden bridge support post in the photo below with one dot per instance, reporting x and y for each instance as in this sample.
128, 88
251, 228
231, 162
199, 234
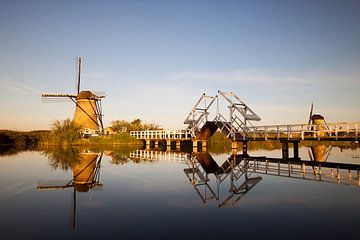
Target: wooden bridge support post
203, 146
178, 144
156, 144
234, 145
285, 149
244, 145
168, 144
296, 150
195, 146
147, 144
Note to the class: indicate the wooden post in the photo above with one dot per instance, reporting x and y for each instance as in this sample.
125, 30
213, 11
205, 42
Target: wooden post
244, 145
195, 146
178, 144
168, 144
296, 150
203, 146
285, 150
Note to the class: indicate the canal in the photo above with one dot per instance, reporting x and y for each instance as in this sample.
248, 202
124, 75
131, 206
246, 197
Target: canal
138, 194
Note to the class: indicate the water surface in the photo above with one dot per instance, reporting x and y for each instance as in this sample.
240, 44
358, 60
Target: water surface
163, 198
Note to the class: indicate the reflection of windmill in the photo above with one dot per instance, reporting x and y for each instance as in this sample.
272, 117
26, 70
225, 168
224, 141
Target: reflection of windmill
319, 152
86, 176
88, 111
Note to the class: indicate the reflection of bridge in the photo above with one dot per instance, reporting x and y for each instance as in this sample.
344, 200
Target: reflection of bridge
206, 118
237, 175
203, 162
160, 156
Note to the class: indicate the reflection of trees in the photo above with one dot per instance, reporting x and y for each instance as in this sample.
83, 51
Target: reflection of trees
13, 150
118, 158
120, 155
123, 155
64, 158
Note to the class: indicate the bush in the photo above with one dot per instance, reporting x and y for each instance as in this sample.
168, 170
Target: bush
64, 132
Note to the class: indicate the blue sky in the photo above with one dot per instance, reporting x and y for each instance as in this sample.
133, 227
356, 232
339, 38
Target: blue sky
155, 58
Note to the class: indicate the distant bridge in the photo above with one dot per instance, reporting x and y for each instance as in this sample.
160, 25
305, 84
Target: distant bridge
206, 118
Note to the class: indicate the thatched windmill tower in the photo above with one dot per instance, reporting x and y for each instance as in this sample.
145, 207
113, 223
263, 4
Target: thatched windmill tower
88, 109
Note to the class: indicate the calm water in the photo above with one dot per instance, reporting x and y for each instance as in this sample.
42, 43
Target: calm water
170, 198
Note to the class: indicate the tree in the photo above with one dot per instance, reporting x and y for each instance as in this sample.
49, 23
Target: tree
135, 125
64, 131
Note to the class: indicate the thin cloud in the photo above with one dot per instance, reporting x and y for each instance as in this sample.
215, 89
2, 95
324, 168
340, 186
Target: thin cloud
245, 76
18, 87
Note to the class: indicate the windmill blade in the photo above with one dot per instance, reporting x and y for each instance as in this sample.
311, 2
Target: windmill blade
56, 98
56, 95
53, 184
311, 112
99, 94
78, 74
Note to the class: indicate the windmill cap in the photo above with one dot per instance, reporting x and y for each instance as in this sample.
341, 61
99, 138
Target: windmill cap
317, 116
85, 95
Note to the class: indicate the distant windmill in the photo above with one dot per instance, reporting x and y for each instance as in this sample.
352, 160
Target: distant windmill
88, 110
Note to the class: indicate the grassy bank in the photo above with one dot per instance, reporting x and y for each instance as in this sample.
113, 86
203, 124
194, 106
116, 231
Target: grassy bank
120, 139
41, 138
8, 137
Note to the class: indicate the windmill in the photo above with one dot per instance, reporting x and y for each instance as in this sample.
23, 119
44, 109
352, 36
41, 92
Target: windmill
317, 123
88, 108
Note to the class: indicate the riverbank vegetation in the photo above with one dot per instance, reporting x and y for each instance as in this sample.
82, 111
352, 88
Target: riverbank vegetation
63, 133
135, 125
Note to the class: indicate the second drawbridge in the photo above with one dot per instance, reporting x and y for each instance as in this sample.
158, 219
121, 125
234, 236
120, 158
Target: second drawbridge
232, 117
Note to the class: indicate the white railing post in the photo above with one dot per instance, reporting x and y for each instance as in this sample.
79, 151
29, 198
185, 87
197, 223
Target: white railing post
265, 132
302, 132
288, 132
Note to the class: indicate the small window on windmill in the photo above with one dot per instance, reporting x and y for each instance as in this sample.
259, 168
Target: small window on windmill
123, 129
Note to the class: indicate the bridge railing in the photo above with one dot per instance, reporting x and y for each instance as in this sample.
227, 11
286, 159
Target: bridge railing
305, 131
161, 134
334, 131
